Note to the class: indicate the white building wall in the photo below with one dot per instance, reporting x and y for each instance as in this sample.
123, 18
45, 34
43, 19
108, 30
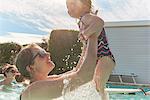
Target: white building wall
130, 44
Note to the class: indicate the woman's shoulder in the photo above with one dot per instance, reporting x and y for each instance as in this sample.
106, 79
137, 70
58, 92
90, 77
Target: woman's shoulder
46, 84
41, 89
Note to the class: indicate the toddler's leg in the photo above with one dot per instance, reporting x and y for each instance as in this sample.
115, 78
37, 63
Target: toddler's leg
103, 70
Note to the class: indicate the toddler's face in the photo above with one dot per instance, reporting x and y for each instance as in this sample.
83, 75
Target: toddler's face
75, 8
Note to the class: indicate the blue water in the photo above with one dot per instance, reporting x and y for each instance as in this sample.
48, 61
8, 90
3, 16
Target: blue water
12, 93
136, 96
128, 97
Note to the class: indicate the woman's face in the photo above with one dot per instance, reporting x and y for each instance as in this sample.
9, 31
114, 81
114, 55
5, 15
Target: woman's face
42, 61
11, 72
75, 8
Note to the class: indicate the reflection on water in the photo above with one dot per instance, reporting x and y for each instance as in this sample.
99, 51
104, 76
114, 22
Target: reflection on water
128, 97
84, 92
11, 92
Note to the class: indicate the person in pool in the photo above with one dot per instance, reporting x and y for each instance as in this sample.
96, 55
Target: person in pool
34, 63
9, 72
89, 24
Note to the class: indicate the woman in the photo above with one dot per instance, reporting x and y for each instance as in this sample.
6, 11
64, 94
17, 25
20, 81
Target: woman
9, 72
34, 63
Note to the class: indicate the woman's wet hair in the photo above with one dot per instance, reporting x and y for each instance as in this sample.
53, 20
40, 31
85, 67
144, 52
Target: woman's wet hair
24, 59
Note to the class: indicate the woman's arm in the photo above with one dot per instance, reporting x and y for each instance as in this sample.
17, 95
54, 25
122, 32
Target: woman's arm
87, 67
52, 77
74, 70
81, 58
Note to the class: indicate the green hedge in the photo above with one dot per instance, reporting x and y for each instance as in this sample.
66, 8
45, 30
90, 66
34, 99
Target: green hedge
65, 50
8, 52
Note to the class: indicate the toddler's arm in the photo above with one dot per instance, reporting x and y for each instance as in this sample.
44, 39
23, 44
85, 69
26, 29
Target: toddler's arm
92, 25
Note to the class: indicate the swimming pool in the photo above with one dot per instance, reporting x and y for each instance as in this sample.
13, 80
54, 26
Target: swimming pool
13, 92
129, 96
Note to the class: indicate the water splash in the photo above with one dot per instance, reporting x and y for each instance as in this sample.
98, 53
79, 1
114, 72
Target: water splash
86, 91
66, 88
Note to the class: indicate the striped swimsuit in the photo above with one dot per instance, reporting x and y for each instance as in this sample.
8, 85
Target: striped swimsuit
102, 46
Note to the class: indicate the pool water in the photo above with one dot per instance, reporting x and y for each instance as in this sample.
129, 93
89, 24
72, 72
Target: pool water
13, 92
126, 96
